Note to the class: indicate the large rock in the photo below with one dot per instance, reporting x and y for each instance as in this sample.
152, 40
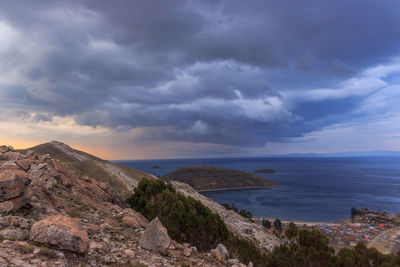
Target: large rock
155, 237
23, 164
14, 204
4, 149
221, 253
11, 185
61, 231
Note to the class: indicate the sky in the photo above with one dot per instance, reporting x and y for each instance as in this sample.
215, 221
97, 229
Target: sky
215, 78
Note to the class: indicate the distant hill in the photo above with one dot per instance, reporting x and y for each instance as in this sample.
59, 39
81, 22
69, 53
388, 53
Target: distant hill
121, 178
205, 178
377, 153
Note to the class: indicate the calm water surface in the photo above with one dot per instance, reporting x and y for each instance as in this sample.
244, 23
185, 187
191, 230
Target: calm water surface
311, 189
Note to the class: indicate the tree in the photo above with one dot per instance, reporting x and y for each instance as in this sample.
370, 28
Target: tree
266, 223
278, 225
292, 231
245, 213
353, 212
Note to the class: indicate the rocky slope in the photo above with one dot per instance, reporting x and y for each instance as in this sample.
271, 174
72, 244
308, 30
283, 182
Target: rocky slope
237, 224
204, 178
123, 179
50, 215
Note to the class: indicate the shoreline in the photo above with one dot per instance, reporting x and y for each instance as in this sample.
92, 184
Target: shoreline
309, 223
234, 188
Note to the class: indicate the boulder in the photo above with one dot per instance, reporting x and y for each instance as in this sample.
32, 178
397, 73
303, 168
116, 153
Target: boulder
155, 237
13, 204
4, 149
61, 231
187, 252
221, 253
11, 186
136, 221
23, 164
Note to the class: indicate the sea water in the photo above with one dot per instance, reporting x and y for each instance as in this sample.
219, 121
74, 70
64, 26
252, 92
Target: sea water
310, 189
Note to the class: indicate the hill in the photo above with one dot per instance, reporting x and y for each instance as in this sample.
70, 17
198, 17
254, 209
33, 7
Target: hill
122, 178
206, 178
51, 216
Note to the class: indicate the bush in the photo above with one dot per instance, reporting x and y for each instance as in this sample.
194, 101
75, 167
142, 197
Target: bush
186, 219
244, 213
278, 225
266, 223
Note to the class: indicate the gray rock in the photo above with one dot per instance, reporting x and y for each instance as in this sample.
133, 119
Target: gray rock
155, 237
11, 186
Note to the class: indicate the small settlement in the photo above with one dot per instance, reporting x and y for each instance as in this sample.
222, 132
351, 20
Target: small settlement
364, 227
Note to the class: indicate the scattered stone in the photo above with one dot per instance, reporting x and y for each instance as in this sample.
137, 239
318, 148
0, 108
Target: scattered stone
13, 234
61, 231
233, 261
4, 149
155, 237
97, 246
50, 183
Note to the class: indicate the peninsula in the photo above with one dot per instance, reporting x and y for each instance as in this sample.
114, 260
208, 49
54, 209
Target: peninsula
206, 178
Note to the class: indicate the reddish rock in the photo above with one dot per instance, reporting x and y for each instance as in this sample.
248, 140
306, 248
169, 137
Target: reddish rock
135, 222
4, 149
23, 164
12, 205
61, 231
155, 237
11, 186
187, 252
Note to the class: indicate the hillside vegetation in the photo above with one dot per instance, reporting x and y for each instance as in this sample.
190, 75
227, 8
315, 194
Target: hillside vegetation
203, 178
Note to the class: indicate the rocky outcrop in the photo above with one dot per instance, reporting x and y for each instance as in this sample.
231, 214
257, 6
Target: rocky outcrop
237, 224
155, 237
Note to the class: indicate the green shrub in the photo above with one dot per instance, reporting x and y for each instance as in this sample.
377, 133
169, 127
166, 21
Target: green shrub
266, 223
245, 251
244, 213
311, 248
186, 219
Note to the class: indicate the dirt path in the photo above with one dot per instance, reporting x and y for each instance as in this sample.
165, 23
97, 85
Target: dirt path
388, 241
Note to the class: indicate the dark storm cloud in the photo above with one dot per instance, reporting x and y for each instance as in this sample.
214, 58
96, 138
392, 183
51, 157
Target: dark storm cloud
223, 72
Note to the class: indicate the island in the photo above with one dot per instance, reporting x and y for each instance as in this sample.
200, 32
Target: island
265, 171
207, 178
155, 167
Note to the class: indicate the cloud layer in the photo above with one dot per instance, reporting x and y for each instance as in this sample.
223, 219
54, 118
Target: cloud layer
213, 73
